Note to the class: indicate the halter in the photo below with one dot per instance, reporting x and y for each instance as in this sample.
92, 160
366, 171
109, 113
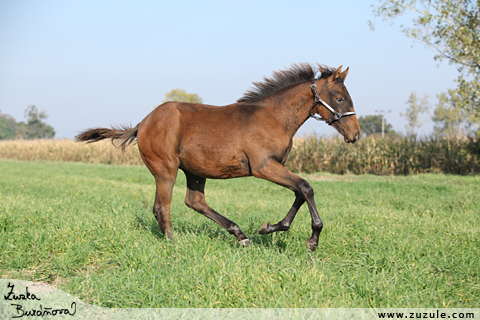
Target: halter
317, 100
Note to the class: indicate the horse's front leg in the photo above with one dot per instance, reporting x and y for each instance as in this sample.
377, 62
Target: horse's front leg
284, 225
277, 173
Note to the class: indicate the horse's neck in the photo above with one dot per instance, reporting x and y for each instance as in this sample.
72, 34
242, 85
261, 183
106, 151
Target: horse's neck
292, 109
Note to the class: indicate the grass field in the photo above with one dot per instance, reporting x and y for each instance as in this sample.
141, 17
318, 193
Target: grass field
88, 229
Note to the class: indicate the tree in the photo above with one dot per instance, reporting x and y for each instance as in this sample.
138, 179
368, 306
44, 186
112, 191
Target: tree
7, 127
181, 95
413, 112
35, 127
448, 117
452, 29
372, 124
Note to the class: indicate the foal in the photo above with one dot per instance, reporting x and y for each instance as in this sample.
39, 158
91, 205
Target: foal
251, 137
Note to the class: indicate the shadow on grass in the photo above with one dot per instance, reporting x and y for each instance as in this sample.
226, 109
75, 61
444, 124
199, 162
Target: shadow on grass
216, 233
149, 225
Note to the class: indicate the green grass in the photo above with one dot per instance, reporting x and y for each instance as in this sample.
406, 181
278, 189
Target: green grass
388, 241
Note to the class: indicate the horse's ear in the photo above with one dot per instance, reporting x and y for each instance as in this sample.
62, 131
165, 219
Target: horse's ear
334, 76
337, 73
343, 75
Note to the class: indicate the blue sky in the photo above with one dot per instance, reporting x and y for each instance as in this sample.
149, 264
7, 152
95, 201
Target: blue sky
96, 63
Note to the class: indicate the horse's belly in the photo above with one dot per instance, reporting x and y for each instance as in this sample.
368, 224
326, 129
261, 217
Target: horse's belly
215, 163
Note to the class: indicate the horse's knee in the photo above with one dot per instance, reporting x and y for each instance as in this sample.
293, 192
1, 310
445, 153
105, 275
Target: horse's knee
306, 190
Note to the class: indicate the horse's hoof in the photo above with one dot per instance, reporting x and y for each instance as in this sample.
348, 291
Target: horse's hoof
245, 243
311, 246
264, 228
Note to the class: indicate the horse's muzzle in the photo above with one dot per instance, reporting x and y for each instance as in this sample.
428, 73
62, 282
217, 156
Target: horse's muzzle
355, 138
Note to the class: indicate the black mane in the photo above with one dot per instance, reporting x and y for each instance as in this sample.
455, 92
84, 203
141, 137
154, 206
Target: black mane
280, 80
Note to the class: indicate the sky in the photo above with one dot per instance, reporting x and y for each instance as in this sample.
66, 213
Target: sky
96, 63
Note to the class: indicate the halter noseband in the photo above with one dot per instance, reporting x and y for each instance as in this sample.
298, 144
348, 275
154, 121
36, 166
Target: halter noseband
318, 100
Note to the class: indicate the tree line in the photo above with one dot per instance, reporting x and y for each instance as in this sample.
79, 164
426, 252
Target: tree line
34, 128
448, 116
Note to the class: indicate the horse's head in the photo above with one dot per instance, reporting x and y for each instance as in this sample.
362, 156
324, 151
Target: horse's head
333, 94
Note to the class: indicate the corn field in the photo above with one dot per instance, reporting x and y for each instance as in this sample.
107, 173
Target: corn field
102, 152
398, 155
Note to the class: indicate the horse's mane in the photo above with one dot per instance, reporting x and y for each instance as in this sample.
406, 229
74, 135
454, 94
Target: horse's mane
280, 80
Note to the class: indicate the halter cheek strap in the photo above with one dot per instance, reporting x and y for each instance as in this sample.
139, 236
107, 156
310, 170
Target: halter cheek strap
318, 100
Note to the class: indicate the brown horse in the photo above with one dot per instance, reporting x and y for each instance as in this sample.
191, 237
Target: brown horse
251, 137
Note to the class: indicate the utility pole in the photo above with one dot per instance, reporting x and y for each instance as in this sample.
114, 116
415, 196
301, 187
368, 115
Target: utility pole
382, 112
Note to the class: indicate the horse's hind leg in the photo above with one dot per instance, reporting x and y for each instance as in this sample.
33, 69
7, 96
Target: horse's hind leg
284, 225
163, 199
195, 200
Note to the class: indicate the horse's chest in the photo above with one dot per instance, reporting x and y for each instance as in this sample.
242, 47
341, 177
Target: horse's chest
283, 155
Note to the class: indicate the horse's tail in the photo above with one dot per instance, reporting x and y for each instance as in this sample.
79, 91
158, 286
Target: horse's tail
123, 133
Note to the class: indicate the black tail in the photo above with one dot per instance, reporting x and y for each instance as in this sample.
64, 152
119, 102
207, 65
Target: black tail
124, 134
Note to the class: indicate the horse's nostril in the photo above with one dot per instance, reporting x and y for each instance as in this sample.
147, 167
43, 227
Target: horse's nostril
357, 136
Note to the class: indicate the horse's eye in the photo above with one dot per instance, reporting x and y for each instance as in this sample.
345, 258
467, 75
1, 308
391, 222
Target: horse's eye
340, 100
